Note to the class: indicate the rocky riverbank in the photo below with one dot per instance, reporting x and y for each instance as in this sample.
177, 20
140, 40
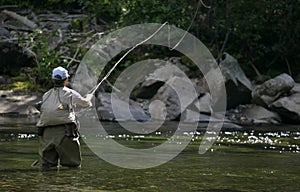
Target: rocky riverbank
274, 101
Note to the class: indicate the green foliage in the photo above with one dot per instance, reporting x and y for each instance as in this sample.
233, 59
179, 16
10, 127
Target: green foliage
46, 59
42, 4
106, 10
26, 86
262, 33
156, 11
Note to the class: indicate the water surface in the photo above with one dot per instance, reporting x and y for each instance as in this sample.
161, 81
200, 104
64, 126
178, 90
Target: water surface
260, 159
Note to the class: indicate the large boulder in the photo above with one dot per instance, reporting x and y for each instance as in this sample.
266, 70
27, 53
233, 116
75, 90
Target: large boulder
271, 90
288, 108
172, 99
232, 71
200, 110
204, 104
161, 72
238, 86
201, 106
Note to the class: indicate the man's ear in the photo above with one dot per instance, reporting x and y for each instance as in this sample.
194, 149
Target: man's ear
66, 81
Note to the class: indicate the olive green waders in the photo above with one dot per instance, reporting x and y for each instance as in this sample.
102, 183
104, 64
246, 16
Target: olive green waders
58, 148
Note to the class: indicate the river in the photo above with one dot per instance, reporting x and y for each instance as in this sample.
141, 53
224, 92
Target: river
262, 158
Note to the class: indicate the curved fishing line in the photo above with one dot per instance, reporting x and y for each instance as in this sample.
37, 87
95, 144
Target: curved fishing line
93, 90
200, 2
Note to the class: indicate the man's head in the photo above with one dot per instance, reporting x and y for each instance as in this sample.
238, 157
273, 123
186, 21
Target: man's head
60, 73
60, 76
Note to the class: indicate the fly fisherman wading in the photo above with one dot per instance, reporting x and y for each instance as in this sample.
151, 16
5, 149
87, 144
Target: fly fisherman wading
57, 126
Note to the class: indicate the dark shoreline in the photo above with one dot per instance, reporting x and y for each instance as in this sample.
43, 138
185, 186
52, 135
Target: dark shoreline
26, 125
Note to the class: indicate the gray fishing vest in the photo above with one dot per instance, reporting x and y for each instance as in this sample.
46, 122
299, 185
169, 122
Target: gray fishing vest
56, 108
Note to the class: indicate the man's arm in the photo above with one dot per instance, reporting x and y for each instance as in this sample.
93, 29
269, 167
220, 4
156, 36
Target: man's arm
82, 101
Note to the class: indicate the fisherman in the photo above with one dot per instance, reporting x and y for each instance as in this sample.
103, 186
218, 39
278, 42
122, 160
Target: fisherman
57, 126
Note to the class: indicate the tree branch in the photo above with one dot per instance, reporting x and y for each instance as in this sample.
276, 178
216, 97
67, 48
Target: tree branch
20, 18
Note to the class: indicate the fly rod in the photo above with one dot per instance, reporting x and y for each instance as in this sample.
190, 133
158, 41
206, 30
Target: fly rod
93, 90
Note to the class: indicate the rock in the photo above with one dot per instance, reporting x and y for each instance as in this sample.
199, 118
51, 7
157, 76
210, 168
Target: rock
255, 114
190, 116
204, 104
177, 62
172, 102
296, 88
238, 86
252, 114
6, 93
163, 71
236, 95
19, 104
258, 115
269, 91
54, 39
288, 108
232, 71
201, 106
54, 30
107, 113
193, 116
297, 78
4, 33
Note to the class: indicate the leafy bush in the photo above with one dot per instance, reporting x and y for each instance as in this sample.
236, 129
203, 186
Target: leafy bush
26, 86
46, 59
263, 34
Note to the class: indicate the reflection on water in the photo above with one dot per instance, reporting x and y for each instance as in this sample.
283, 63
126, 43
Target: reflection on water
255, 160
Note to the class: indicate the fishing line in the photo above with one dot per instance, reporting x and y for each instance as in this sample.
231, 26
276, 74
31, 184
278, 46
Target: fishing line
93, 90
200, 2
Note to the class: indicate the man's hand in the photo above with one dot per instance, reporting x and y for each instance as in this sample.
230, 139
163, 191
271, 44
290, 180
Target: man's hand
89, 97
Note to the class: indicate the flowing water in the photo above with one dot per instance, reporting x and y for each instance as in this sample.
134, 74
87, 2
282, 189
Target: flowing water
259, 159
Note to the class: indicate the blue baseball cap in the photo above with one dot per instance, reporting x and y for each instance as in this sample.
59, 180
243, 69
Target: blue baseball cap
60, 73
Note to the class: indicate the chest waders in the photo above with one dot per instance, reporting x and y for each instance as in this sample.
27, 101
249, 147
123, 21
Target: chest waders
58, 130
